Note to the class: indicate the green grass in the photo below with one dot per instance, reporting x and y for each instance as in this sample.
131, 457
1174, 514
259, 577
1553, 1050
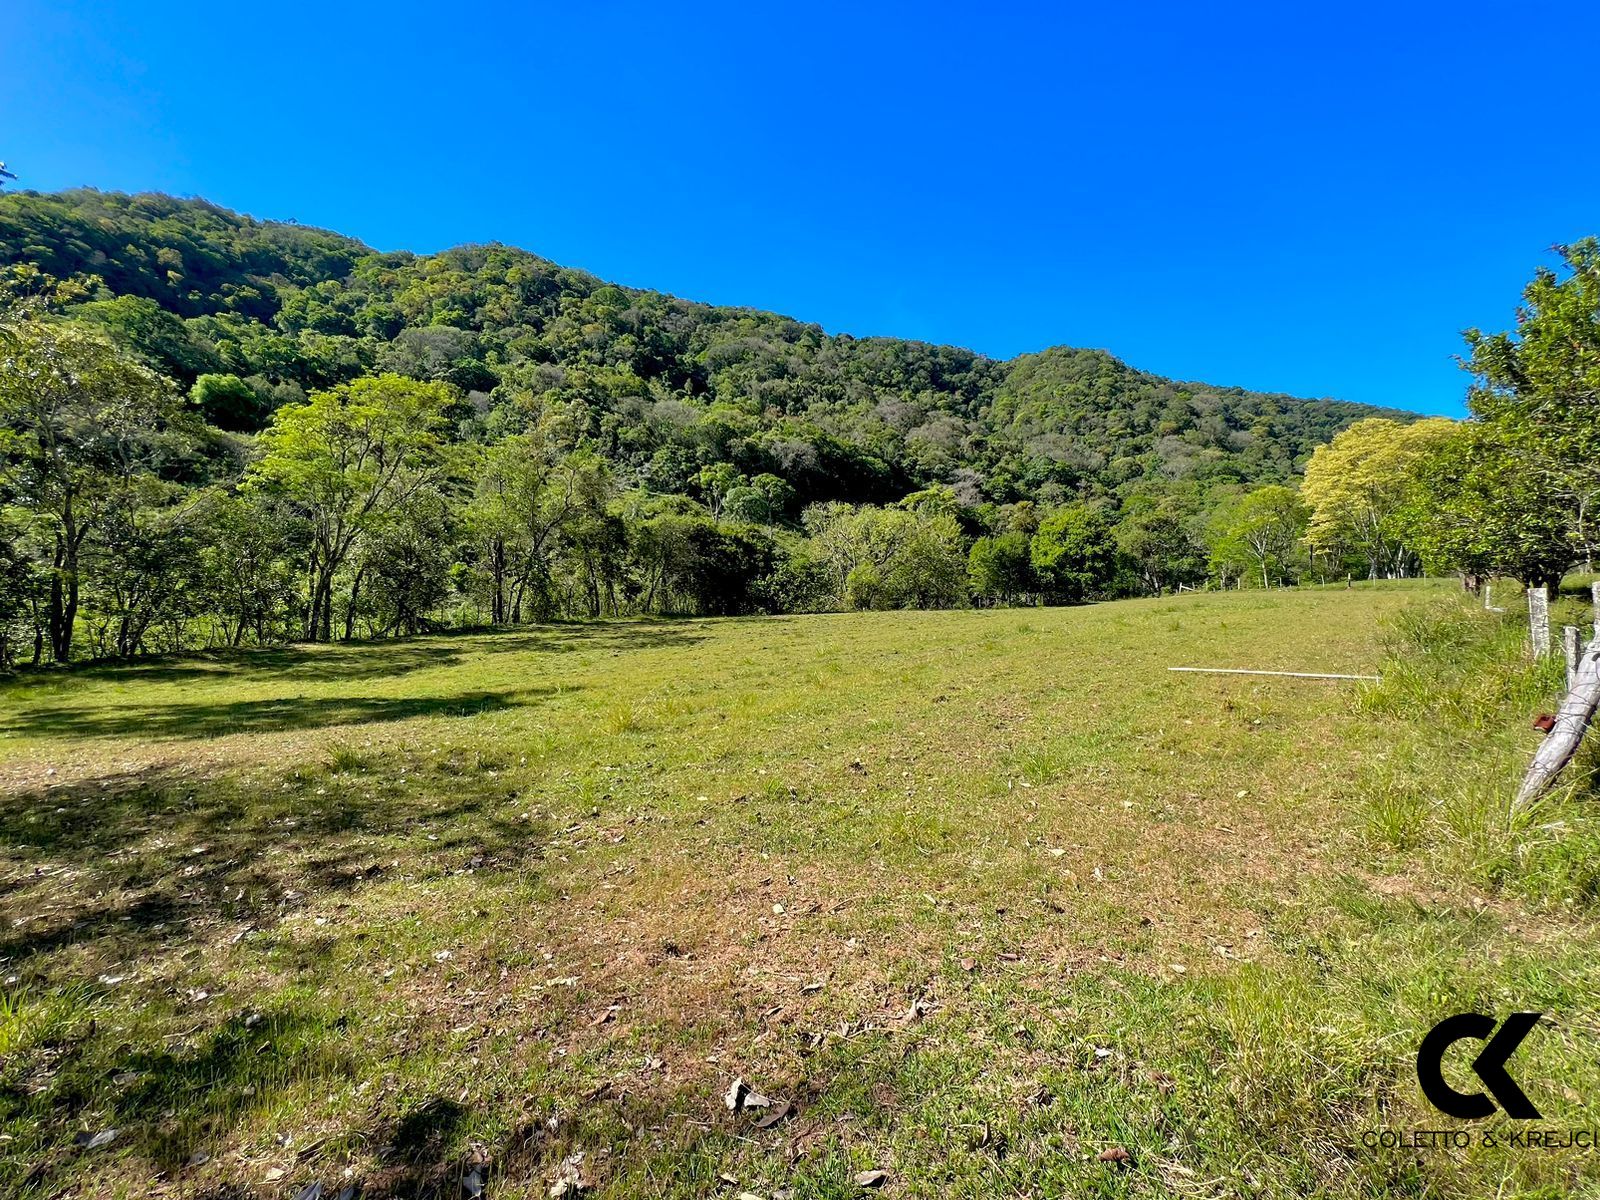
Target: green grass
981, 894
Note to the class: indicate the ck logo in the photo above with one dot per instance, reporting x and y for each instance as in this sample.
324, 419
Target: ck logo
1489, 1066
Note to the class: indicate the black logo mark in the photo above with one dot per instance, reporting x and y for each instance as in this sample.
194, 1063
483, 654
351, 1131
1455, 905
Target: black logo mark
1489, 1066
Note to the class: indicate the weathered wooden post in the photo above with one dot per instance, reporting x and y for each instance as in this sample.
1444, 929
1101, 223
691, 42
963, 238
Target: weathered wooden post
1539, 620
1488, 600
1569, 646
1571, 723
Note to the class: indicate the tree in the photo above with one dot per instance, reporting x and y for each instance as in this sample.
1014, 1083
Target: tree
1358, 488
524, 496
715, 482
144, 562
1477, 509
408, 563
78, 422
999, 569
346, 460
24, 589
247, 547
1074, 552
1260, 530
890, 557
1155, 542
1539, 388
227, 402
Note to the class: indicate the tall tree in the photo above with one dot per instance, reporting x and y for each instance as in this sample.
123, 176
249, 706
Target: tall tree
1154, 540
524, 496
346, 460
1539, 386
1075, 552
1358, 488
78, 424
999, 570
1260, 530
1477, 509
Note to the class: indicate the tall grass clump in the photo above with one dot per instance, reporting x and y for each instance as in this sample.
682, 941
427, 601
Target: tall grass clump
1456, 704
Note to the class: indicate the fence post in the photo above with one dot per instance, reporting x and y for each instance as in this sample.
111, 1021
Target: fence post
1569, 646
1539, 620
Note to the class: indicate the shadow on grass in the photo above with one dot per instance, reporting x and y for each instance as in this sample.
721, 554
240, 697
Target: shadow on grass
199, 720
374, 659
122, 865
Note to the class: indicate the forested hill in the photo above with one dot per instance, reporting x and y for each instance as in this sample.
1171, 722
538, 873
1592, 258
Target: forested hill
664, 388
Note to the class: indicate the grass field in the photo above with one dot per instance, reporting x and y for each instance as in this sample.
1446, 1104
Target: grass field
972, 897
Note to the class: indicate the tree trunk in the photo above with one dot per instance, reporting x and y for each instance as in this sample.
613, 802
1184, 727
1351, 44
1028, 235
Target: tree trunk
64, 592
497, 560
355, 597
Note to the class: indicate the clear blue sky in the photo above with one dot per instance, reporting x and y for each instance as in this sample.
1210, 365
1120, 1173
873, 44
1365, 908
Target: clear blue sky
1305, 198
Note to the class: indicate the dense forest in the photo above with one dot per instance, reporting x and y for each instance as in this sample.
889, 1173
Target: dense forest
264, 431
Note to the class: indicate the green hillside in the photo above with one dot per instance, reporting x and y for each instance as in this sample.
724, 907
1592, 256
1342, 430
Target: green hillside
662, 387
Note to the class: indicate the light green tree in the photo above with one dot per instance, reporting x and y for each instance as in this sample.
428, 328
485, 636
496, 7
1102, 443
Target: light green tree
1258, 532
1359, 486
345, 460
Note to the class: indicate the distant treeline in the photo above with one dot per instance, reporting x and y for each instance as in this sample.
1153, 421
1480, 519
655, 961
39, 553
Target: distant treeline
217, 431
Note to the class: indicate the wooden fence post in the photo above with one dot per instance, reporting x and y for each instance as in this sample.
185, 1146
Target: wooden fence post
1572, 722
1569, 646
1539, 620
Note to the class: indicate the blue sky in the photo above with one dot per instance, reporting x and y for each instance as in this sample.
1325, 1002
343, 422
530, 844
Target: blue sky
1299, 198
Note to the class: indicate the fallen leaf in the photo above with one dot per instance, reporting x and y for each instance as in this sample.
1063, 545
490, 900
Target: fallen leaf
93, 1141
778, 1113
1114, 1155
968, 964
872, 1179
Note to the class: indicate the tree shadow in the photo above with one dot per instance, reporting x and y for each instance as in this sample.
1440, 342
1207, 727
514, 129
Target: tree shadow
125, 864
373, 659
199, 720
